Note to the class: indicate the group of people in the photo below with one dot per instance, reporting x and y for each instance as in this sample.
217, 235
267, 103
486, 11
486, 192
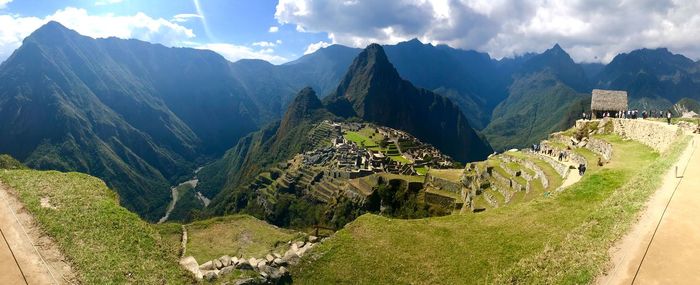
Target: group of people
633, 114
562, 155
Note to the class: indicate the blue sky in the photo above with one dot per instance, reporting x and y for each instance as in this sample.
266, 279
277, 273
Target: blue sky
235, 28
283, 30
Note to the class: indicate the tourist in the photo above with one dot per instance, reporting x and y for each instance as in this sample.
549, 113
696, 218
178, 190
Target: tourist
581, 169
668, 116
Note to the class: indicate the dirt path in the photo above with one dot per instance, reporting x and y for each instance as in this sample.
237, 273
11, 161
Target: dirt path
25, 252
673, 255
571, 178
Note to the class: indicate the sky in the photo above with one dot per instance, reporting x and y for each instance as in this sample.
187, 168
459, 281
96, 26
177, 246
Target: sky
284, 30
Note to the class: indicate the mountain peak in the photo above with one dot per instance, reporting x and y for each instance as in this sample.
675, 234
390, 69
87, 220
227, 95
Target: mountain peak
304, 104
373, 60
51, 33
556, 50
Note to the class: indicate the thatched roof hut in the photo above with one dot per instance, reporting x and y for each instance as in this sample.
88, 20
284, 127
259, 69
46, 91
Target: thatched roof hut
608, 100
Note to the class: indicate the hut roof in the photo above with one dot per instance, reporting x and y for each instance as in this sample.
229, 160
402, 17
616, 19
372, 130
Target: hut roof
608, 100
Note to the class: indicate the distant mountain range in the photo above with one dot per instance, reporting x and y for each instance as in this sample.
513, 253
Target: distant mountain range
372, 91
143, 116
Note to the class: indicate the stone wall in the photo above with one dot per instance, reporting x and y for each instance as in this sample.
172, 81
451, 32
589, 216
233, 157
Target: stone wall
529, 165
656, 135
443, 184
436, 199
559, 167
601, 147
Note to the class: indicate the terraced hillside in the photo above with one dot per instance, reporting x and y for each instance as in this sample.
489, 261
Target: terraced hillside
547, 234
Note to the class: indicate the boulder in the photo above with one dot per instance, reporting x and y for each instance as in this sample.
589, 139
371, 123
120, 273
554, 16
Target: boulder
277, 255
225, 260
209, 265
190, 264
290, 257
211, 275
218, 264
313, 239
304, 249
234, 260
244, 265
227, 270
253, 261
279, 262
263, 267
269, 258
261, 264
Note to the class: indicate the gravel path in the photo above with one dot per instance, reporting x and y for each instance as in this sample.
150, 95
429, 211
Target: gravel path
669, 254
27, 256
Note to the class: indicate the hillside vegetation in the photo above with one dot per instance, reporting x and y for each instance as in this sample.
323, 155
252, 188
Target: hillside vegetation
560, 238
104, 242
8, 162
236, 235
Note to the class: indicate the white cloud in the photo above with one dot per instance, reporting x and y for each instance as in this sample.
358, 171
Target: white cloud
107, 2
236, 52
264, 44
316, 46
589, 30
3, 3
138, 26
273, 29
181, 18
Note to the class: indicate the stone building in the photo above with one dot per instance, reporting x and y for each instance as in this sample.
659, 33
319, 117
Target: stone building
611, 101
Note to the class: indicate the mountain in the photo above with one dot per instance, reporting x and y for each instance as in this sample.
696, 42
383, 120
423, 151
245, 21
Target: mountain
274, 143
653, 78
138, 115
320, 70
546, 95
373, 91
470, 79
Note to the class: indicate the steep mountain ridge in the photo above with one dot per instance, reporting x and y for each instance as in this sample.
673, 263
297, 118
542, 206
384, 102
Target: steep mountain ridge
137, 115
275, 142
653, 78
374, 91
546, 95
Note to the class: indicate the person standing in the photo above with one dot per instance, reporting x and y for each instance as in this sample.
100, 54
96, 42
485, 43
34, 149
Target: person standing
668, 117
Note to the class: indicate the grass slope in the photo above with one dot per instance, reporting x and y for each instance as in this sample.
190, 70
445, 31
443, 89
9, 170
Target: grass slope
105, 242
8, 162
236, 235
562, 238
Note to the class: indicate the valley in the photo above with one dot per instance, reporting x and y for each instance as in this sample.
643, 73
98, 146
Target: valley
133, 162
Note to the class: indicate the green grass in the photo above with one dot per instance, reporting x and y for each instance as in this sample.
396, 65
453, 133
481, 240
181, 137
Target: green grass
563, 238
236, 235
408, 178
453, 175
421, 170
359, 139
363, 136
8, 162
104, 242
